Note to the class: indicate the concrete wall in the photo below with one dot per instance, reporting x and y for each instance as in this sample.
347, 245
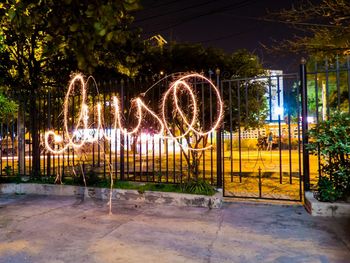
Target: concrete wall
317, 208
165, 198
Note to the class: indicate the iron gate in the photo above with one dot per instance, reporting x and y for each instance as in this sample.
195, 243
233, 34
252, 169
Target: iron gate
262, 150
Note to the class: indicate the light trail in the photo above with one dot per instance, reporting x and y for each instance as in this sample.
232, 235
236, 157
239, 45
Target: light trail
180, 85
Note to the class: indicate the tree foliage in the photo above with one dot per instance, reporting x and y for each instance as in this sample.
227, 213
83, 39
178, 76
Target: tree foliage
7, 107
183, 57
324, 28
40, 39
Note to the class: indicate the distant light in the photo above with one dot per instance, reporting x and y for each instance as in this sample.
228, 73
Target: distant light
161, 72
279, 110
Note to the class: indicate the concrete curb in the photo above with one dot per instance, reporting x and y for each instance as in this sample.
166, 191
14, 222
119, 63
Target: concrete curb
149, 197
317, 208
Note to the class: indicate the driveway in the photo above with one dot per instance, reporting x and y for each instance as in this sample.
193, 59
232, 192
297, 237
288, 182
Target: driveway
60, 229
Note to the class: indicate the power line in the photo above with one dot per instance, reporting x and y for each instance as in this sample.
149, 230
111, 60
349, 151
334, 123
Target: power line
229, 35
166, 3
175, 11
281, 21
214, 11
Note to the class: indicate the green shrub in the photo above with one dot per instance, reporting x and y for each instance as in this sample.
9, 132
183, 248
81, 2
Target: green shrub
198, 186
332, 138
326, 190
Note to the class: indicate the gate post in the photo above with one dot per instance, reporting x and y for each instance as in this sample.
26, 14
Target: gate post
218, 142
304, 114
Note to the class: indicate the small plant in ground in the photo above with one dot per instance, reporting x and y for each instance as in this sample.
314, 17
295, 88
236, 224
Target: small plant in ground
92, 178
7, 170
331, 138
198, 186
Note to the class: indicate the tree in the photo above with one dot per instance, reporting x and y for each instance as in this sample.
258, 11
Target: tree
7, 107
184, 57
324, 28
41, 42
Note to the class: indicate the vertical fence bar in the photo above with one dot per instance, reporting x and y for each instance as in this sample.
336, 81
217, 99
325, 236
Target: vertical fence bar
166, 160
121, 135
270, 99
147, 172
327, 89
348, 75
140, 155
134, 146
63, 155
110, 128
218, 144
1, 145
290, 148
260, 183
239, 131
160, 159
20, 136
174, 162
127, 156
115, 138
231, 128
44, 130
203, 119
279, 127
317, 115
104, 129
153, 156
222, 137
93, 126
303, 82
7, 141
338, 82
48, 159
13, 144
299, 142
73, 151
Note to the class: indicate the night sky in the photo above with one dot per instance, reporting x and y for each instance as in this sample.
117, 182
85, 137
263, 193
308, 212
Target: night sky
226, 24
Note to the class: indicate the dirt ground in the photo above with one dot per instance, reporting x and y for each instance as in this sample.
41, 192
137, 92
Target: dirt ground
60, 229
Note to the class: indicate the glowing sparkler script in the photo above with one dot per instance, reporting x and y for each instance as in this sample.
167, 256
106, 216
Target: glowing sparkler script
180, 85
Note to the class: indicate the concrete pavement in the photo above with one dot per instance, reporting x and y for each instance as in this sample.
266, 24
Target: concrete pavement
64, 229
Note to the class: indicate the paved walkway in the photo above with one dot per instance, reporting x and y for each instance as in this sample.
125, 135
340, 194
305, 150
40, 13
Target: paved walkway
55, 229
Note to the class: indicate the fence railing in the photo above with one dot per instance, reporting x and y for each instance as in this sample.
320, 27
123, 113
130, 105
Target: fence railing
256, 151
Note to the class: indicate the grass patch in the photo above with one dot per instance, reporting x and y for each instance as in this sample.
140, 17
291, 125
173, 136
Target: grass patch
199, 187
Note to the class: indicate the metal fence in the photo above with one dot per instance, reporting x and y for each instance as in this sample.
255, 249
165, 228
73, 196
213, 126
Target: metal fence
257, 152
141, 156
328, 91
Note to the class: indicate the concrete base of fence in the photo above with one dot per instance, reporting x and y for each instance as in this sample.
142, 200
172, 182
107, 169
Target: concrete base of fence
317, 208
165, 198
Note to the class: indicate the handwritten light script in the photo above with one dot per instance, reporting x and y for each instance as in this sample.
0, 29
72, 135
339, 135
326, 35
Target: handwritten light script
69, 139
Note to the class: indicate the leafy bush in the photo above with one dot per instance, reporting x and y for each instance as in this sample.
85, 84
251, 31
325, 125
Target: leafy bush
332, 138
198, 186
326, 190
